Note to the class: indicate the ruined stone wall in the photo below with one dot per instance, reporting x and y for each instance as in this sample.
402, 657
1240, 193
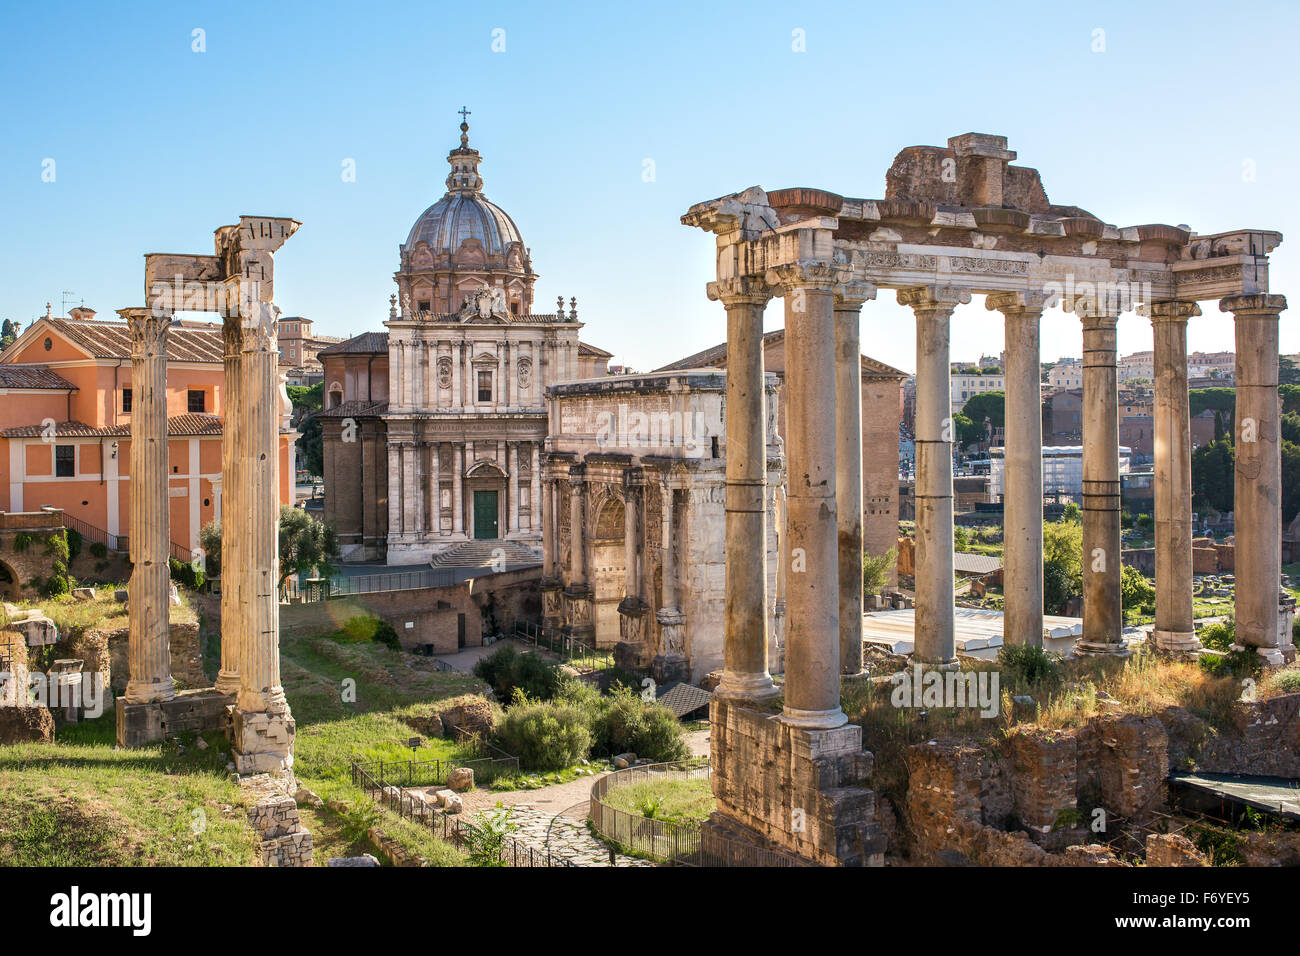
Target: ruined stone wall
1264, 738
803, 790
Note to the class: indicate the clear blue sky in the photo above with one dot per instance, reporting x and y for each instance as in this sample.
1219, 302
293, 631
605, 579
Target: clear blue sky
156, 145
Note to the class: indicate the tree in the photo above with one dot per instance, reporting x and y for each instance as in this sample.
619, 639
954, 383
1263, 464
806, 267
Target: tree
1134, 589
1062, 563
311, 441
875, 570
1288, 373
1290, 395
990, 405
1212, 476
305, 545
967, 432
1222, 401
306, 397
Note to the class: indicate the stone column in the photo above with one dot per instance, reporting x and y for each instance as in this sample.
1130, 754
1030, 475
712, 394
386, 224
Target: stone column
435, 489
535, 503
1022, 522
812, 660
548, 532
1174, 630
577, 529
745, 675
848, 467
935, 608
420, 454
457, 488
232, 484
394, 490
631, 542
512, 460
1258, 484
669, 663
149, 644
1103, 619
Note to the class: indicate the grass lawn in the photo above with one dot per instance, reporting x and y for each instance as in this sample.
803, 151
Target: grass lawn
78, 801
673, 801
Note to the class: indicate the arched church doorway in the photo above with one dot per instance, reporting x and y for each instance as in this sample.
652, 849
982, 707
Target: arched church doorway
609, 570
485, 501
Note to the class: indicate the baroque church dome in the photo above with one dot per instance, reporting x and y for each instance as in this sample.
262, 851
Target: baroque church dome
464, 212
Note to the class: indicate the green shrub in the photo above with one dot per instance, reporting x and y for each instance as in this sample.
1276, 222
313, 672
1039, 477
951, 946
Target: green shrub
56, 546
544, 735
1029, 666
57, 585
183, 573
363, 627
626, 723
98, 550
74, 543
1287, 681
506, 670
1219, 636
22, 541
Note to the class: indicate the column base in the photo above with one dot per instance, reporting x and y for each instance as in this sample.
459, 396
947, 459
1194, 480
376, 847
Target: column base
670, 669
141, 724
227, 684
1273, 656
739, 688
1175, 641
149, 692
1101, 649
262, 741
814, 719
952, 664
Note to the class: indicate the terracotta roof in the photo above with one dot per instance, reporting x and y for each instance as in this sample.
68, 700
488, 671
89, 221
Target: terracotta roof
585, 348
353, 408
32, 376
366, 342
186, 342
189, 425
717, 357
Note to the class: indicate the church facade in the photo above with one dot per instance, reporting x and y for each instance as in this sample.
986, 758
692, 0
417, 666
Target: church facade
433, 432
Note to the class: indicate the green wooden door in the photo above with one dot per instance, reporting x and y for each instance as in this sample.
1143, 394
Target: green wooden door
485, 514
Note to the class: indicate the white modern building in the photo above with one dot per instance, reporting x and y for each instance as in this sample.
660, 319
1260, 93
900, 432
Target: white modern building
1062, 470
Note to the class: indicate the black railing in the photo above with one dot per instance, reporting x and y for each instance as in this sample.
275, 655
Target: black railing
567, 647
451, 829
677, 844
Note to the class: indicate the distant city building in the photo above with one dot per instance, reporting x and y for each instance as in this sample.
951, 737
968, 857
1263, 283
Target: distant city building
966, 386
1066, 373
1062, 470
299, 349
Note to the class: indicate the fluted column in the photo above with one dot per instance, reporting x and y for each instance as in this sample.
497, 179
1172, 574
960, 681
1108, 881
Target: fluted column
232, 494
745, 672
1174, 630
435, 490
812, 662
258, 441
1258, 484
577, 529
457, 396
394, 490
457, 489
631, 541
935, 609
149, 645
1022, 523
1103, 619
848, 467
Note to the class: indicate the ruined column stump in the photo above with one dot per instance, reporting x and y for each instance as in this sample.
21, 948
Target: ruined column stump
197, 711
793, 789
262, 741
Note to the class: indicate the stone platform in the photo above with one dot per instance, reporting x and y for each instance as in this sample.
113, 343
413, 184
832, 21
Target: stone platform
194, 711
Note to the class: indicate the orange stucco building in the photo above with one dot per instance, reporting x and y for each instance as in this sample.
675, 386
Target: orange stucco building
65, 426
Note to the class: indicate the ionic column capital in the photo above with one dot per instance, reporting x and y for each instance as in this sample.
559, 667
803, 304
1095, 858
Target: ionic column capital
1174, 310
1009, 303
740, 291
933, 298
809, 276
1260, 305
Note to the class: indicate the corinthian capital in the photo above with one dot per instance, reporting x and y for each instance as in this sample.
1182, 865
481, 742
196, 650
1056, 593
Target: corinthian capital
1260, 305
740, 290
934, 298
148, 330
853, 293
810, 276
1015, 302
1175, 310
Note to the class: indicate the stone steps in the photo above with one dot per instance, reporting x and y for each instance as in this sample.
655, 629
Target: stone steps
483, 553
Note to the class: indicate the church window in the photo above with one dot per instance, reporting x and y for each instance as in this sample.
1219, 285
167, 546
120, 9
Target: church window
126, 400
196, 400
65, 461
423, 305
485, 386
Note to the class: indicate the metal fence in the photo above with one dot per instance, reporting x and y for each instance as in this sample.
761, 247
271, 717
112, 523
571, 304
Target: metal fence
346, 585
677, 844
428, 773
564, 645
405, 803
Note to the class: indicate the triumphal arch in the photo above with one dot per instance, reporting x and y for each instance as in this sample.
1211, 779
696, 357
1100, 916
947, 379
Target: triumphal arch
955, 222
237, 282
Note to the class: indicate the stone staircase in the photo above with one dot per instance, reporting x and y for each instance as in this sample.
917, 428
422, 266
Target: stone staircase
486, 553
